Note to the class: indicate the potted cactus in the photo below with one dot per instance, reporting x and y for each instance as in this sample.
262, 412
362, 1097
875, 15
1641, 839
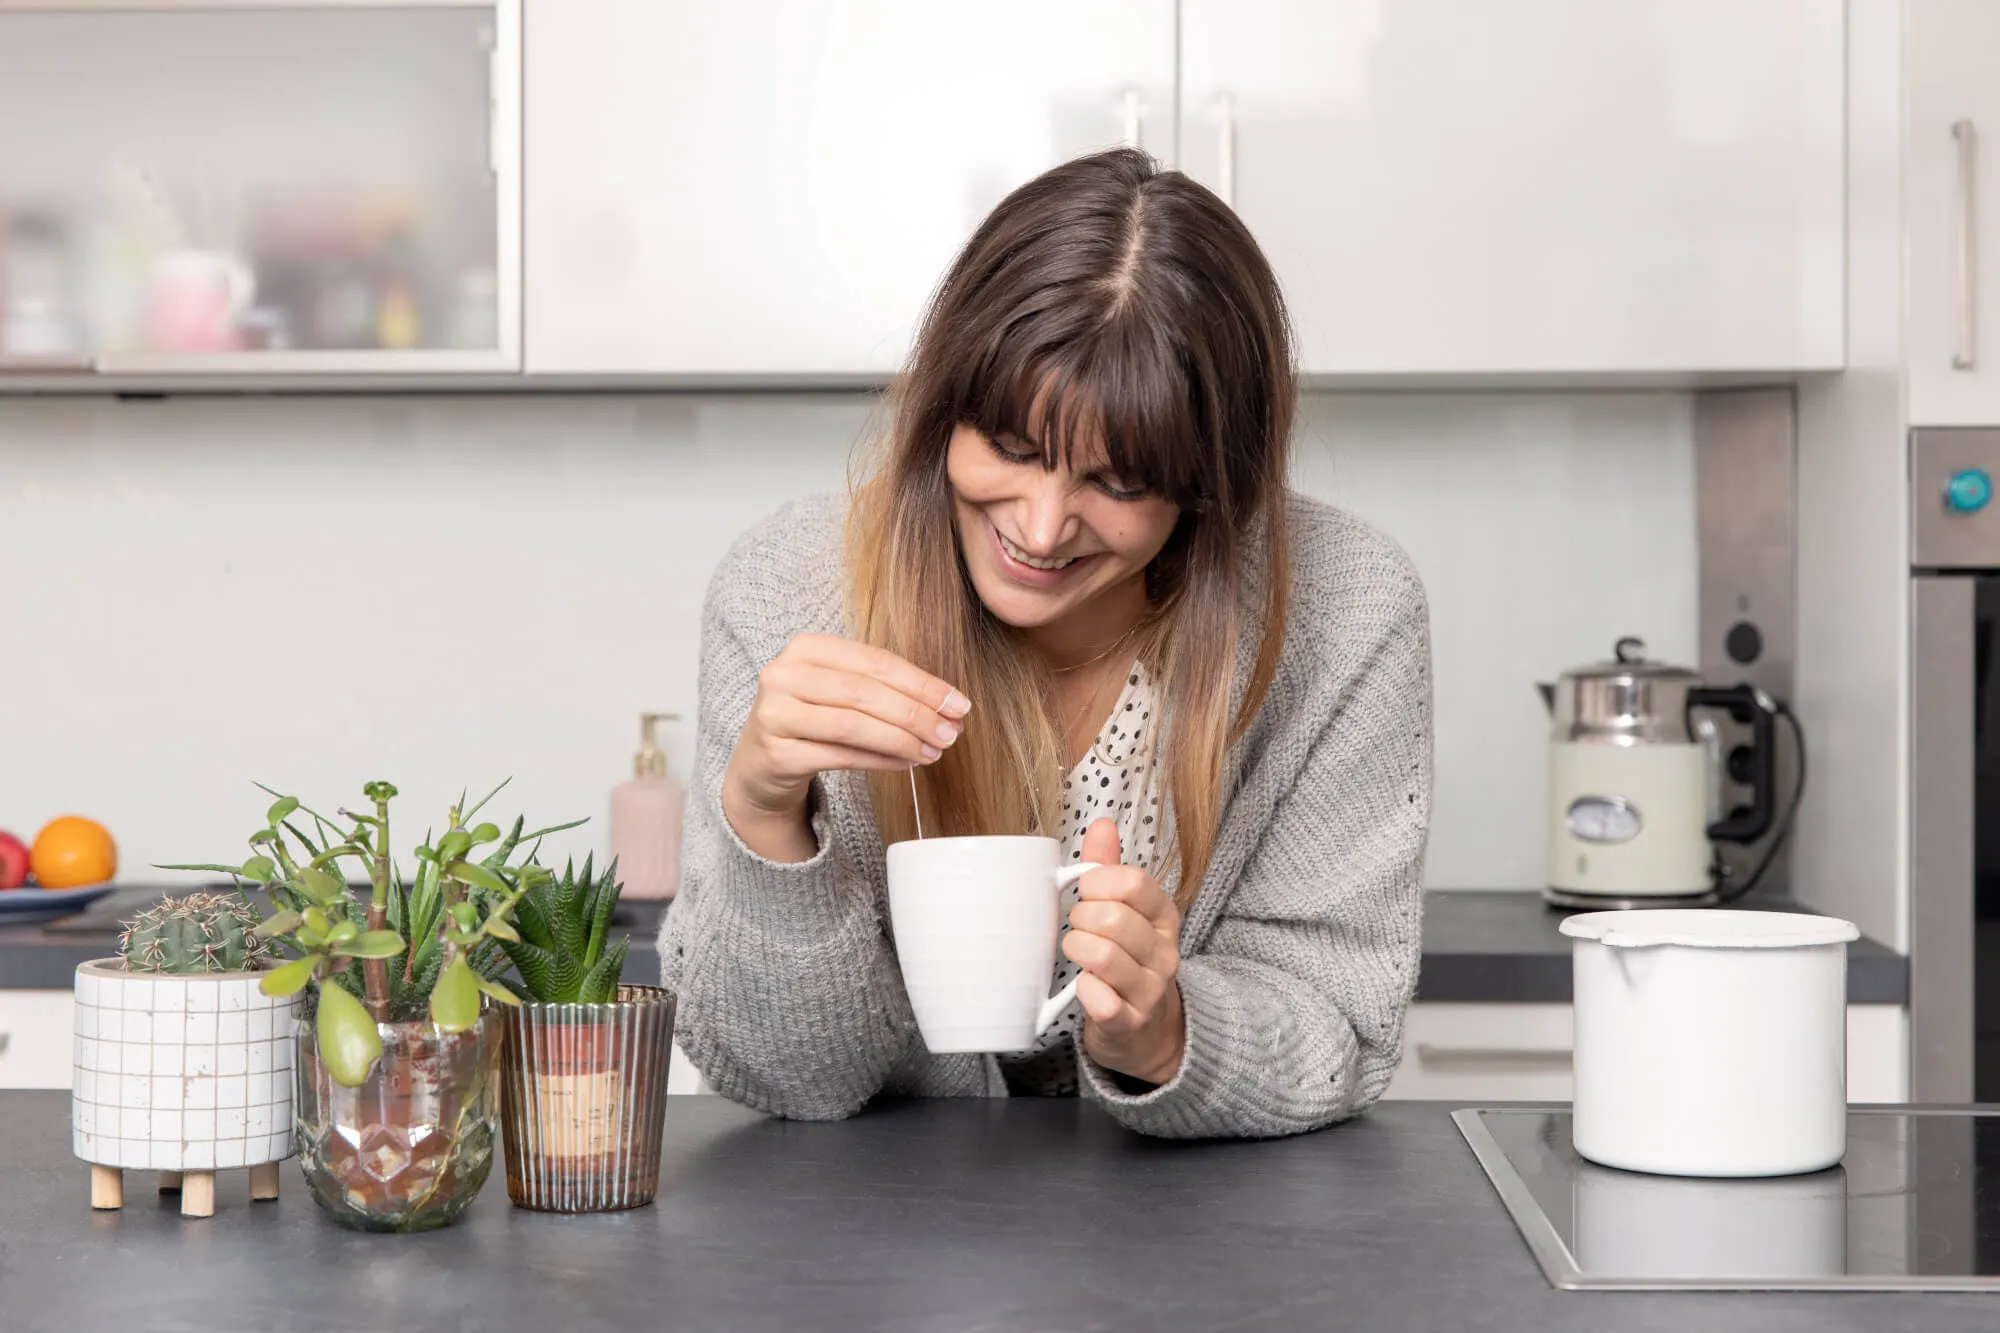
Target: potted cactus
397, 1068
183, 1062
585, 1064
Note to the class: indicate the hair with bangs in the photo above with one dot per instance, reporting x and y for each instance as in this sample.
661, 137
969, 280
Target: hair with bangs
1105, 299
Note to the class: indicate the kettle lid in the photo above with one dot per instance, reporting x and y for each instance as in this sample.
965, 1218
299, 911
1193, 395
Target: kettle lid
1627, 662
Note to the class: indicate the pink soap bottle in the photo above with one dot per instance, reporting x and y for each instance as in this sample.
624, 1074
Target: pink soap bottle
646, 820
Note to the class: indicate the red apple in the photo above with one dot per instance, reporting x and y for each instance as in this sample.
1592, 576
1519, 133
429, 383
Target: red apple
13, 862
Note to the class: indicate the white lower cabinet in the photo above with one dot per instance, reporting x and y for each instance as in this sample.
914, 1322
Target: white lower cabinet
36, 1034
1522, 1052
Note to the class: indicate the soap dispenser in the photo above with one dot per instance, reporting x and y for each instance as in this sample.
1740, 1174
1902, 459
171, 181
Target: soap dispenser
646, 820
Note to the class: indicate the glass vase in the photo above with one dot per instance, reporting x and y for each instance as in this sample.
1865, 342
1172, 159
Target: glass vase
410, 1147
585, 1101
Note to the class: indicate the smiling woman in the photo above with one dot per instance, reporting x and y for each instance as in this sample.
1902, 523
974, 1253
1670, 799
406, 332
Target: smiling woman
1071, 597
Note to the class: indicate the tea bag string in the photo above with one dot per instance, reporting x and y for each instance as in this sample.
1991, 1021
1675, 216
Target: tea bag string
916, 806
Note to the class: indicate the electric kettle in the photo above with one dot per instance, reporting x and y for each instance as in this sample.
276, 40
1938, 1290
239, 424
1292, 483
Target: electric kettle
1636, 773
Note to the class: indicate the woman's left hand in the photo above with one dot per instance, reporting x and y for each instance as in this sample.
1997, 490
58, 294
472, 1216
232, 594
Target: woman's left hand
1125, 934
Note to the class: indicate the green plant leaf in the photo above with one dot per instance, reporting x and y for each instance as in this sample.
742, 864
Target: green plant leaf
349, 1042
466, 872
279, 923
322, 888
484, 834
291, 978
600, 983
454, 845
497, 926
531, 915
281, 810
553, 828
317, 920
343, 932
264, 837
547, 977
455, 999
484, 799
370, 944
498, 992
262, 869
222, 870
603, 904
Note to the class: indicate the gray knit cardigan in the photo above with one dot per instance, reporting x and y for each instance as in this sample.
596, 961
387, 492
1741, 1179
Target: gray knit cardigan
1299, 953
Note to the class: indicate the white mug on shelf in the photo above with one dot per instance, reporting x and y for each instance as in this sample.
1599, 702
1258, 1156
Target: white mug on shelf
976, 921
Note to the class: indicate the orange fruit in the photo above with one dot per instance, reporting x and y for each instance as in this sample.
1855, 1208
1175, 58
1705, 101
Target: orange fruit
71, 852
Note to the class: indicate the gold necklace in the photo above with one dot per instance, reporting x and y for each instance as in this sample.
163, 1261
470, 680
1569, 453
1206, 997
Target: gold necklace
1116, 644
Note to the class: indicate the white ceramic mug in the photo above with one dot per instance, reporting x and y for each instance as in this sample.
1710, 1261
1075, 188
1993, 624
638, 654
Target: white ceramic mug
976, 921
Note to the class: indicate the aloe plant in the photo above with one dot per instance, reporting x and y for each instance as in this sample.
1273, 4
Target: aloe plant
446, 925
562, 955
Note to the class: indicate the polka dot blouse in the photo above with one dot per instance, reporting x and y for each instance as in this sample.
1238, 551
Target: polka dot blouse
1116, 780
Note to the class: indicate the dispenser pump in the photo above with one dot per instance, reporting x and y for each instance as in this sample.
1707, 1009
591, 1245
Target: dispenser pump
651, 761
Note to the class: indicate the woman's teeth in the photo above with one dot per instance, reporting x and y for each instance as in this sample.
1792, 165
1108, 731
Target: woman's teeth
1016, 553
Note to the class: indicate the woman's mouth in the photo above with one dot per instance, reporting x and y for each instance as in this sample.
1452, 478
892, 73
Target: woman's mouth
1033, 570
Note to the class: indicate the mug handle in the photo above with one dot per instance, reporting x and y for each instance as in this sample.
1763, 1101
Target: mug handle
1053, 1006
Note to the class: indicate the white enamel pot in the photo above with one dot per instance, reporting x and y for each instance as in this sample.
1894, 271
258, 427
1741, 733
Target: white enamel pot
1711, 1043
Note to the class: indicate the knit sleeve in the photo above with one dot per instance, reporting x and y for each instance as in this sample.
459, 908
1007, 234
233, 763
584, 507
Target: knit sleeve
787, 992
1294, 1007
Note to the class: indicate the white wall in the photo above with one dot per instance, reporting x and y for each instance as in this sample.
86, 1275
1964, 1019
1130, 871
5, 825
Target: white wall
446, 591
1851, 855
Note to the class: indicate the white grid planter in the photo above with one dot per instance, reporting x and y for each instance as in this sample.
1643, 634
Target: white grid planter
185, 1075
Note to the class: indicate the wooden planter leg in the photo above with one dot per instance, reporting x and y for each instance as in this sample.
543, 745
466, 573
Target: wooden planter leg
107, 1187
170, 1182
264, 1181
198, 1194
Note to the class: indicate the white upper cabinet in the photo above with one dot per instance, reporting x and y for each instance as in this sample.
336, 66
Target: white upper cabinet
243, 191
774, 187
1951, 208
1563, 186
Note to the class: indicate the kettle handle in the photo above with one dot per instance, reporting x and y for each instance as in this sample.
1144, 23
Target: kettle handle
1747, 703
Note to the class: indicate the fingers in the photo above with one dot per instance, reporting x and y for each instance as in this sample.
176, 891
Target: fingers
1100, 842
787, 717
1112, 965
831, 688
1119, 925
1134, 888
884, 667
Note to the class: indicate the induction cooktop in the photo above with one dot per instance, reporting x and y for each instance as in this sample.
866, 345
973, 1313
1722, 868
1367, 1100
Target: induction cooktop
1914, 1206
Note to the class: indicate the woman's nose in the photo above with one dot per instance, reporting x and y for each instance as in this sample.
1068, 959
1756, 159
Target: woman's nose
1048, 519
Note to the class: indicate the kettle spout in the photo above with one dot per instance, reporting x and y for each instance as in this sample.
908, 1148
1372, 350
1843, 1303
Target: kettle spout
1548, 692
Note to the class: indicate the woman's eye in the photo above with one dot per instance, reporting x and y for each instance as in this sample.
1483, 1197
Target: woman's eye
1012, 449
1118, 488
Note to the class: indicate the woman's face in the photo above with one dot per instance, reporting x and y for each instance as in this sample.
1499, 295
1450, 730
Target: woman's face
1043, 545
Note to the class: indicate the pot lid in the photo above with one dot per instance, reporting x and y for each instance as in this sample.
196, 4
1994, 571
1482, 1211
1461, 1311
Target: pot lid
1709, 928
1628, 662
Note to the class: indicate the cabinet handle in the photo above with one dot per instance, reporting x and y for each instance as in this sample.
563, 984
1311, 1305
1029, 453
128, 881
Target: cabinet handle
1493, 1057
1225, 149
1966, 354
1130, 137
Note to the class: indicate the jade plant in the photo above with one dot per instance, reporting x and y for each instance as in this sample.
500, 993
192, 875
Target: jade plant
203, 932
562, 955
424, 947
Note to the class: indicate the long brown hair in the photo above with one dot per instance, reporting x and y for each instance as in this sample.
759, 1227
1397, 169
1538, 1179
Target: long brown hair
1113, 299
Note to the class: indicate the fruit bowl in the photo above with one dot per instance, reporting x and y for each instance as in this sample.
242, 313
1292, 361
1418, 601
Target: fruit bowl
18, 906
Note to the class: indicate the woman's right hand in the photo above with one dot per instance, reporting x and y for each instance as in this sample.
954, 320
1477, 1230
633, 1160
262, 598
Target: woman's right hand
830, 703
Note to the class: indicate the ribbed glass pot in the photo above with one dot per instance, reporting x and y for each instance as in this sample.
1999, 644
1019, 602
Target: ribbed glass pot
584, 1101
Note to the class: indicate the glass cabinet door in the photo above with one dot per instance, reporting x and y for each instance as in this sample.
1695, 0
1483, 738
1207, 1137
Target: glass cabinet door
251, 188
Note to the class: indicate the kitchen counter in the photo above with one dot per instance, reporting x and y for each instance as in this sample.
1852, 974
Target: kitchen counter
1480, 947
1025, 1214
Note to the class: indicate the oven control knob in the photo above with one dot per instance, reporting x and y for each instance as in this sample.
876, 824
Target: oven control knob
1968, 490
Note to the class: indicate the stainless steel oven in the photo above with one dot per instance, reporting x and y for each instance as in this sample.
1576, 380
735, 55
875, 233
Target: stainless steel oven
1955, 766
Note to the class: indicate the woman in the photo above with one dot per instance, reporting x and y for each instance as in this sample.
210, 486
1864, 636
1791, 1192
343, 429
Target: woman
1074, 597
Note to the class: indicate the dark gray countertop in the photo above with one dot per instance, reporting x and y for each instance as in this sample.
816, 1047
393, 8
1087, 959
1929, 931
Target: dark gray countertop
1482, 946
1479, 947
999, 1215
